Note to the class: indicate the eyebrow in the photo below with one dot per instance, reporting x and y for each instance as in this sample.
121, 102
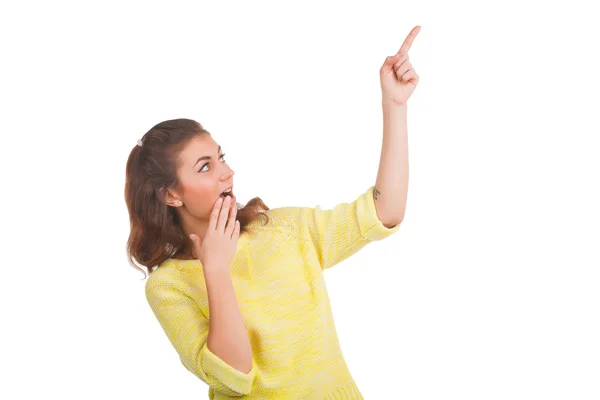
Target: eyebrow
205, 157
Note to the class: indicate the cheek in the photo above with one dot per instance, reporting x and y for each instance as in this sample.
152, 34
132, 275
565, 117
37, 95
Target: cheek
200, 198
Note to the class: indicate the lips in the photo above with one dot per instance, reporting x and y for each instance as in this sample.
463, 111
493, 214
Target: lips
230, 194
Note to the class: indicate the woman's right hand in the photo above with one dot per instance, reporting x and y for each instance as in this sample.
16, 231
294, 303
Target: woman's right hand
218, 247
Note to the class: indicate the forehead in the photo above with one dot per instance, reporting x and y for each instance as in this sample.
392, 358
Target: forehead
197, 147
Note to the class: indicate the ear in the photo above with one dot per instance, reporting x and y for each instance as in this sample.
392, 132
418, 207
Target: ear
169, 196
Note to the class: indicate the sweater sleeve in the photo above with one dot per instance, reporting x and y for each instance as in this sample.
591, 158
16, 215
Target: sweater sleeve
187, 329
338, 233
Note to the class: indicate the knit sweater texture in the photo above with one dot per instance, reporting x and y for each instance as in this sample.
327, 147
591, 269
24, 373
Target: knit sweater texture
277, 274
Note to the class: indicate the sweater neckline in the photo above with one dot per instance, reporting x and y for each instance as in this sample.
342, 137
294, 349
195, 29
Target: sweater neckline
242, 244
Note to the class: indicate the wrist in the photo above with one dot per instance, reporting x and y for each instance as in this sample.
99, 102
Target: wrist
216, 273
389, 104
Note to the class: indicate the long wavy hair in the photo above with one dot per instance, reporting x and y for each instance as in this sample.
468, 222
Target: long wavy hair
156, 233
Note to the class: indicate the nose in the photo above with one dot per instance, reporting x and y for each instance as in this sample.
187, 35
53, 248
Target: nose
228, 175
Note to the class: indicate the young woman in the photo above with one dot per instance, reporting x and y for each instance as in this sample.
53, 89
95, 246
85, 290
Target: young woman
239, 290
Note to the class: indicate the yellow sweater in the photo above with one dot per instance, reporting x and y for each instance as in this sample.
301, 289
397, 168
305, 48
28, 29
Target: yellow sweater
277, 274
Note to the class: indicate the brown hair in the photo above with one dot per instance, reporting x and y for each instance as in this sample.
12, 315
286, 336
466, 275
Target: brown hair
156, 233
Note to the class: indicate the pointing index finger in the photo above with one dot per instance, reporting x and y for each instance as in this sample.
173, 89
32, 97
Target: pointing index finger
409, 39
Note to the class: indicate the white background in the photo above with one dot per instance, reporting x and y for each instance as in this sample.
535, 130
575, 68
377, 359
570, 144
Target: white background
490, 290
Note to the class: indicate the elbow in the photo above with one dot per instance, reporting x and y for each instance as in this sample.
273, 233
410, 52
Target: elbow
389, 217
223, 377
398, 220
391, 223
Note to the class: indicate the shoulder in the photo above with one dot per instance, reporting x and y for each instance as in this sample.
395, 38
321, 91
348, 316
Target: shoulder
166, 274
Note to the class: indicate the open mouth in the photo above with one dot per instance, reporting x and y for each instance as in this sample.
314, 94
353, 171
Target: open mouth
228, 194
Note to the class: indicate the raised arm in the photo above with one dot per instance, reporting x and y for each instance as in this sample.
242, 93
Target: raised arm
337, 233
398, 81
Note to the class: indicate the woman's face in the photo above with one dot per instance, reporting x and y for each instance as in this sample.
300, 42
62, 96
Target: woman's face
203, 174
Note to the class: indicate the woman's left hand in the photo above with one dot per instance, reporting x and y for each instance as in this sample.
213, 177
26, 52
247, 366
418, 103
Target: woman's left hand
398, 77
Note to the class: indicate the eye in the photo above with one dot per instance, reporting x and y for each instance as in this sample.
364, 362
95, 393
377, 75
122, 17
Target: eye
200, 170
